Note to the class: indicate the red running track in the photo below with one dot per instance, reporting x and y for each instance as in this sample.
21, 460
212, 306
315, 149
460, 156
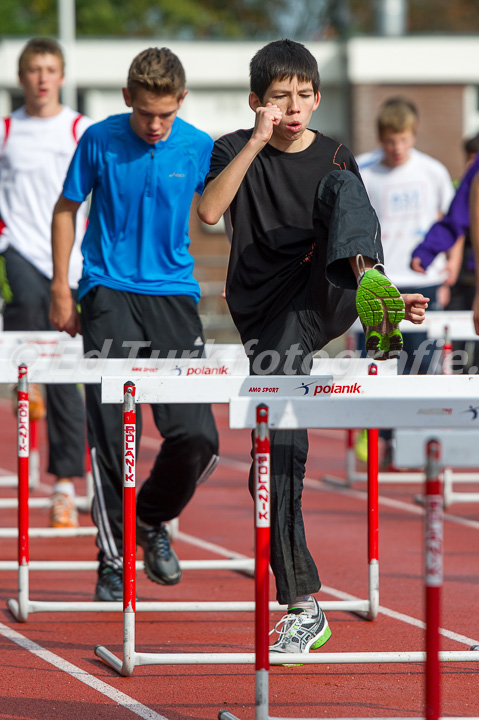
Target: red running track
50, 672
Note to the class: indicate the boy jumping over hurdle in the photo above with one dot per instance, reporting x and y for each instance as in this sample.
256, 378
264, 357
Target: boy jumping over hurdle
306, 259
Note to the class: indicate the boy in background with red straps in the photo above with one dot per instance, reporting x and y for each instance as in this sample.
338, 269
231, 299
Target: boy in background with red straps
37, 142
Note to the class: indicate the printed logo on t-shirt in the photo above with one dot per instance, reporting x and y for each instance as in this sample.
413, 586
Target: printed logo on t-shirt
403, 201
175, 174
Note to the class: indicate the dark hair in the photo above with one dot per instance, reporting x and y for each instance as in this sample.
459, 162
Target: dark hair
471, 145
157, 70
279, 60
40, 46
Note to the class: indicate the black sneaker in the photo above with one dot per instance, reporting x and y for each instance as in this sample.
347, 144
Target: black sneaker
161, 563
109, 586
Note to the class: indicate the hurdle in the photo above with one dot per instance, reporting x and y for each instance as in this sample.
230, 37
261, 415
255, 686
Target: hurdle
22, 606
433, 575
216, 367
433, 535
369, 405
444, 327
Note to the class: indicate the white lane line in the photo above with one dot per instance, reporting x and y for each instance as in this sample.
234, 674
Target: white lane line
212, 547
116, 695
192, 540
420, 624
362, 495
390, 502
414, 509
402, 617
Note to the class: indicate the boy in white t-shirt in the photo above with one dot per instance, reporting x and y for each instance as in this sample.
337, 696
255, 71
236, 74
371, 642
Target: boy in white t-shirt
37, 142
409, 191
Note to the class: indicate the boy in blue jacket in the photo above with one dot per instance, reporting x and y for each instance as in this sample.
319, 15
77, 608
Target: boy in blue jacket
138, 291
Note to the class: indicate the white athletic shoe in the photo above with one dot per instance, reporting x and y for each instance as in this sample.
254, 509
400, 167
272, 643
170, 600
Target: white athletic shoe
301, 631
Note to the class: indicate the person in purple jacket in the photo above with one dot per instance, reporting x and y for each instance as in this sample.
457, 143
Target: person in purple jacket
459, 222
474, 229
455, 223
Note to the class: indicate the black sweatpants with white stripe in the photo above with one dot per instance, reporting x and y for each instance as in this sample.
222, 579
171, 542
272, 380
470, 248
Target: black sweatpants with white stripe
119, 324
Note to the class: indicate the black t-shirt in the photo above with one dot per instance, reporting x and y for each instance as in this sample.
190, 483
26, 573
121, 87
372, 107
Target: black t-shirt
272, 222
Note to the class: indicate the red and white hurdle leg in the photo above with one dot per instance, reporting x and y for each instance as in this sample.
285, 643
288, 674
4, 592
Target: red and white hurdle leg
262, 559
20, 609
433, 578
262, 485
129, 528
373, 516
129, 662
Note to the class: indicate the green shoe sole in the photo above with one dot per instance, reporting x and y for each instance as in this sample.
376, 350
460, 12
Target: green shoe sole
377, 294
380, 308
321, 640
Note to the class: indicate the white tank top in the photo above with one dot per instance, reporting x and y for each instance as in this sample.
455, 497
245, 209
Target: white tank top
34, 157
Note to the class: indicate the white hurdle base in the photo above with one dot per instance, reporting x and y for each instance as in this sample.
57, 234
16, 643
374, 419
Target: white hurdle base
82, 503
51, 532
353, 475
460, 449
23, 606
244, 565
342, 658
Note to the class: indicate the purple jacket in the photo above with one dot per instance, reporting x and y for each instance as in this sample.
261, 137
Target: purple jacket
443, 234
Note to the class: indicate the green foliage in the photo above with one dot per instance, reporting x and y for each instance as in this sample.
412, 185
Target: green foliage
29, 17
183, 19
301, 20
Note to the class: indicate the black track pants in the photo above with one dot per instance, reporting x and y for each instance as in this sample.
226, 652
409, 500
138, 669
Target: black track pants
122, 322
288, 337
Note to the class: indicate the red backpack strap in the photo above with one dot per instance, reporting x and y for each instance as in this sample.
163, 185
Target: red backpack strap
74, 127
7, 121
